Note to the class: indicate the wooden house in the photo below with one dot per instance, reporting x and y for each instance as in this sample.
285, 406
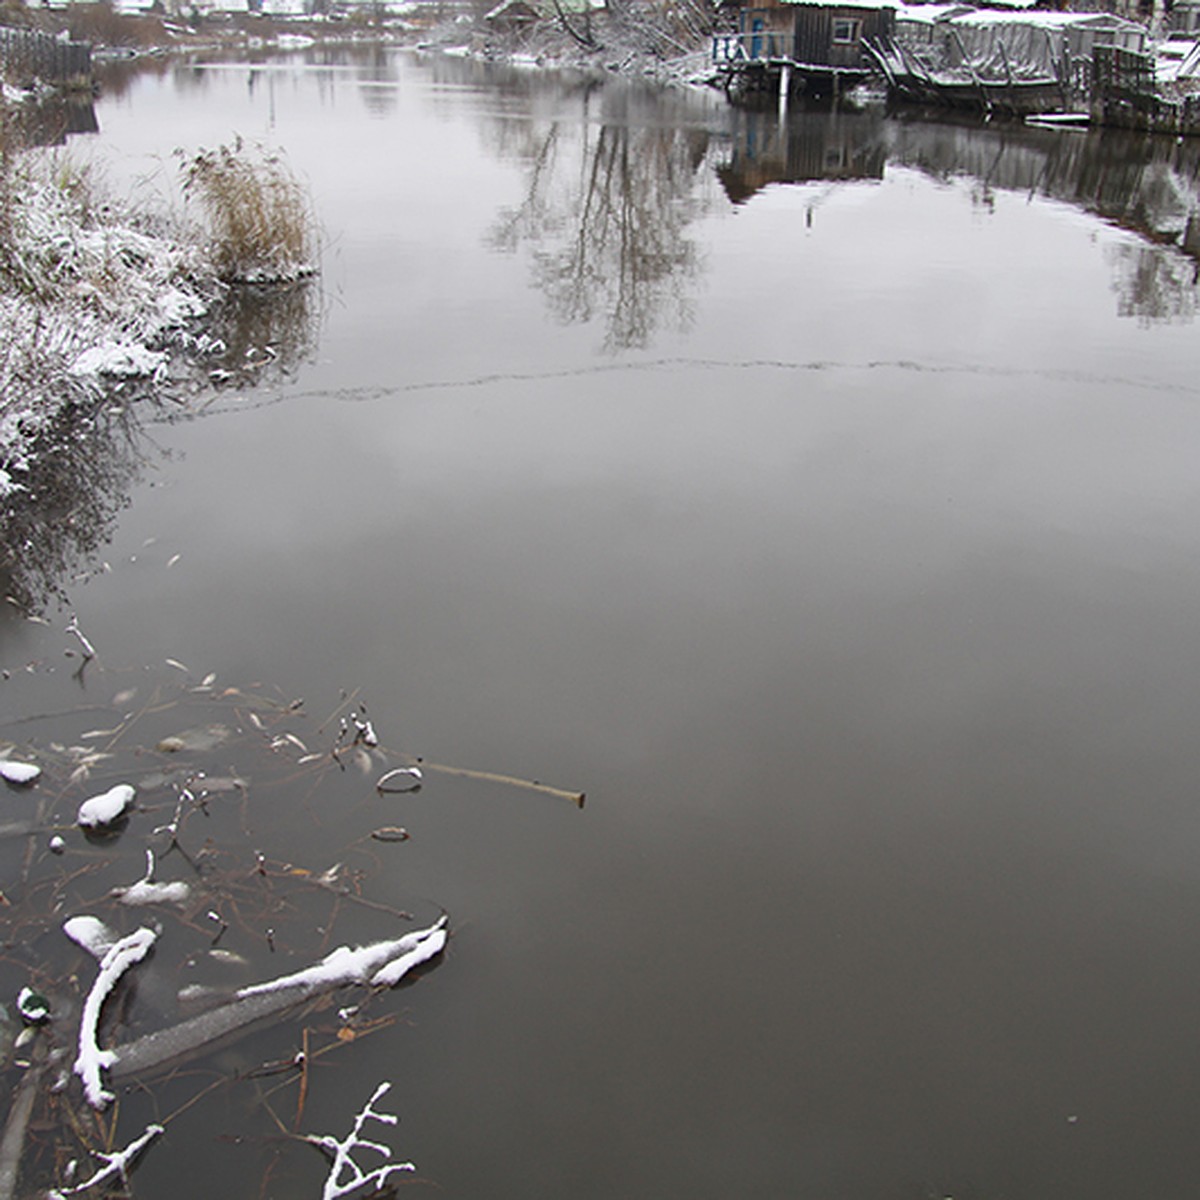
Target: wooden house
810, 47
812, 33
1184, 17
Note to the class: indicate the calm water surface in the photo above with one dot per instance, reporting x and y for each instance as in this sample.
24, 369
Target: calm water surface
823, 502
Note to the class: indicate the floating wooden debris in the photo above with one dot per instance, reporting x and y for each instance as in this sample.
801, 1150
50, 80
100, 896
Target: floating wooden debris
345, 1176
199, 740
390, 833
89, 651
116, 1166
402, 779
533, 785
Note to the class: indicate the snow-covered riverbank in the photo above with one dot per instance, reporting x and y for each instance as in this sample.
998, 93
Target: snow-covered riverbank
103, 303
91, 293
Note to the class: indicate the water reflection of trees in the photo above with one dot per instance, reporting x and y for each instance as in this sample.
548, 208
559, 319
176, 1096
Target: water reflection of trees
261, 335
81, 470
606, 212
85, 459
1153, 284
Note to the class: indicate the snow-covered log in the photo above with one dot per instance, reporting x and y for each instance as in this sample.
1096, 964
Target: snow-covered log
381, 964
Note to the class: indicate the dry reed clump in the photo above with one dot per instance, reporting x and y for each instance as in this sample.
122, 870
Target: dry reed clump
260, 224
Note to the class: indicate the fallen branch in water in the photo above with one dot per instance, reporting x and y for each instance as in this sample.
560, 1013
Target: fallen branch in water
89, 651
532, 785
115, 1165
381, 964
341, 1153
12, 1144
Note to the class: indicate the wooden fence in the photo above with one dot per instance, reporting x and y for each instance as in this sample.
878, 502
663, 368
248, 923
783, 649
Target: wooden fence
1125, 94
27, 56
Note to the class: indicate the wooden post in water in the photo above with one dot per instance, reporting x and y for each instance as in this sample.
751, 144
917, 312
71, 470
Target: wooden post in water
785, 84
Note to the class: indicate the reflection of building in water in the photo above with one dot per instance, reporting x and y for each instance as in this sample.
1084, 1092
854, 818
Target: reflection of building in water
801, 149
1149, 186
51, 121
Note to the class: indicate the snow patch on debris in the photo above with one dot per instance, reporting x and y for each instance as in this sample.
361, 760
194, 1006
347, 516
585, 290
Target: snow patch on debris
91, 934
146, 891
382, 964
10, 770
106, 808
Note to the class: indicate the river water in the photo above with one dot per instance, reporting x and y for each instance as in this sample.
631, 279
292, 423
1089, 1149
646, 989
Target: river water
823, 501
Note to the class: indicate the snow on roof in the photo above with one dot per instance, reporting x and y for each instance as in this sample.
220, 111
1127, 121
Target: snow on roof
929, 13
966, 14
1047, 20
877, 4
1050, 19
1190, 67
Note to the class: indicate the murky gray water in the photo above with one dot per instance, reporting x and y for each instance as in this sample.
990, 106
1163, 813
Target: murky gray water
824, 503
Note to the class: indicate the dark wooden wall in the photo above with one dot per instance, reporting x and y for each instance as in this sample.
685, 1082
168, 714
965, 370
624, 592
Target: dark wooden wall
26, 56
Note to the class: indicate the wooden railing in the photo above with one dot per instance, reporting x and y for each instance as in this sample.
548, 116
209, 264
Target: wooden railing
763, 44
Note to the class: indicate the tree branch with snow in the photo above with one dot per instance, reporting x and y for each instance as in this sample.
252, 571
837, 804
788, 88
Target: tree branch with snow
341, 1153
116, 1166
91, 1060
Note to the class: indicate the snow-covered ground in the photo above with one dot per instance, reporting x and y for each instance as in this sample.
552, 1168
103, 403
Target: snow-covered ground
90, 293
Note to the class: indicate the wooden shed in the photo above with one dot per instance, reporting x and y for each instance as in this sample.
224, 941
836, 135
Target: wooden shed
815, 33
